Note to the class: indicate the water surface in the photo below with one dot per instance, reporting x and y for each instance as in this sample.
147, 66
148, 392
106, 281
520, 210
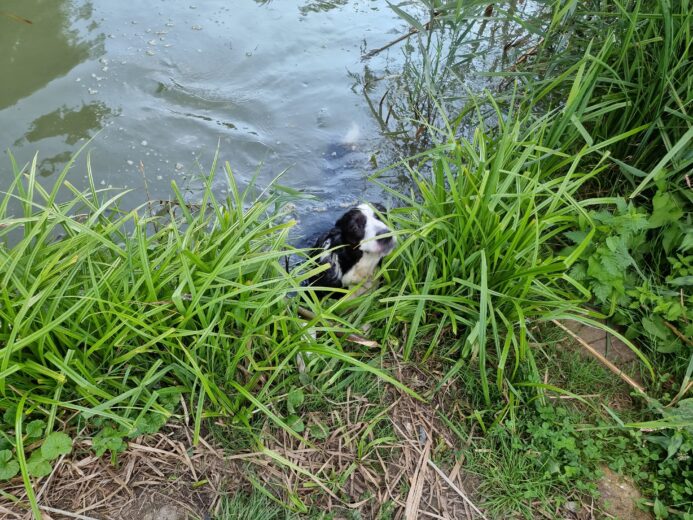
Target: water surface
161, 84
274, 85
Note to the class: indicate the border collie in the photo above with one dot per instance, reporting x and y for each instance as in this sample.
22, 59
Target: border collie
354, 248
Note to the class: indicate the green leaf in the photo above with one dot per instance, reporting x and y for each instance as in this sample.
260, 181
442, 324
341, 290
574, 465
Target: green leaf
34, 429
108, 439
294, 399
687, 242
681, 281
655, 327
660, 510
576, 237
318, 431
150, 423
602, 291
664, 210
675, 443
9, 415
296, 423
37, 466
672, 238
8, 466
56, 444
566, 443
579, 272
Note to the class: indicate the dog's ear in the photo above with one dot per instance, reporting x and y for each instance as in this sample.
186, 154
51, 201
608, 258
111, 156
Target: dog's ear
352, 225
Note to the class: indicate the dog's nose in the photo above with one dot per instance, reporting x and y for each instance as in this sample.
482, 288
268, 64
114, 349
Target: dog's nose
383, 239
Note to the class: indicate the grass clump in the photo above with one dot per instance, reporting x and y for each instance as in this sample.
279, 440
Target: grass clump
478, 262
106, 312
588, 158
119, 319
640, 52
254, 506
633, 59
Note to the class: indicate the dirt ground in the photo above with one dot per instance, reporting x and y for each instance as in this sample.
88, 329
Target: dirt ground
163, 476
346, 468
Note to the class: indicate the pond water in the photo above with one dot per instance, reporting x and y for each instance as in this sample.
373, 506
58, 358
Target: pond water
162, 84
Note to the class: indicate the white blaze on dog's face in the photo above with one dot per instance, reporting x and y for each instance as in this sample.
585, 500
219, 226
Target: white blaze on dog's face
373, 241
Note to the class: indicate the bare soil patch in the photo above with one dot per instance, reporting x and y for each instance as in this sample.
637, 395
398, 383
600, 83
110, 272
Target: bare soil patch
160, 476
345, 460
619, 497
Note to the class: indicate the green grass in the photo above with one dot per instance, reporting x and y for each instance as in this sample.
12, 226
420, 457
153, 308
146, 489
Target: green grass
114, 317
477, 259
255, 506
111, 318
642, 79
599, 113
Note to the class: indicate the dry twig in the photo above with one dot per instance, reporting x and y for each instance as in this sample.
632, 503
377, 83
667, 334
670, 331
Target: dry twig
601, 358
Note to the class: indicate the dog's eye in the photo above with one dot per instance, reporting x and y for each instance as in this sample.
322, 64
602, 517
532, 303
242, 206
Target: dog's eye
352, 224
357, 225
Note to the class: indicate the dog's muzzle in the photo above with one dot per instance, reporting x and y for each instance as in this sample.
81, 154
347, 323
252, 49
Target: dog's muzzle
385, 243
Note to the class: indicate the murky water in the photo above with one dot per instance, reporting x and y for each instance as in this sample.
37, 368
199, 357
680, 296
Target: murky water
162, 84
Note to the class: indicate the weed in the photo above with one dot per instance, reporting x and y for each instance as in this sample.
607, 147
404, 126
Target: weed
256, 506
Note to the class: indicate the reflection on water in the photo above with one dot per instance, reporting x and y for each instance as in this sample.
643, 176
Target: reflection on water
73, 124
167, 84
35, 54
468, 49
69, 124
315, 6
52, 165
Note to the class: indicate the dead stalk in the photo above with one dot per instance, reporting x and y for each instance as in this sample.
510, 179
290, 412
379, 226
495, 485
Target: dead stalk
608, 364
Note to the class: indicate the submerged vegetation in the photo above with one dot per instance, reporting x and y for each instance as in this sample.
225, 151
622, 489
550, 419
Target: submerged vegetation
565, 194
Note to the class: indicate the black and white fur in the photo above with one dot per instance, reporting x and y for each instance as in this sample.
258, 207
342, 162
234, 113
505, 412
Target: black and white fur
354, 248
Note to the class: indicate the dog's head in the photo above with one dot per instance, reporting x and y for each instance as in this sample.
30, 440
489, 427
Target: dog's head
361, 227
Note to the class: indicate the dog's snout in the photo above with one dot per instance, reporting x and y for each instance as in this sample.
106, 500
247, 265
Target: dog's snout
381, 236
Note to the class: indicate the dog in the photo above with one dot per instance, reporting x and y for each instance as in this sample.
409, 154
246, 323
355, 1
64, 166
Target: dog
354, 248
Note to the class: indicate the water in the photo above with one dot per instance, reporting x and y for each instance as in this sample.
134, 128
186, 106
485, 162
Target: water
161, 84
